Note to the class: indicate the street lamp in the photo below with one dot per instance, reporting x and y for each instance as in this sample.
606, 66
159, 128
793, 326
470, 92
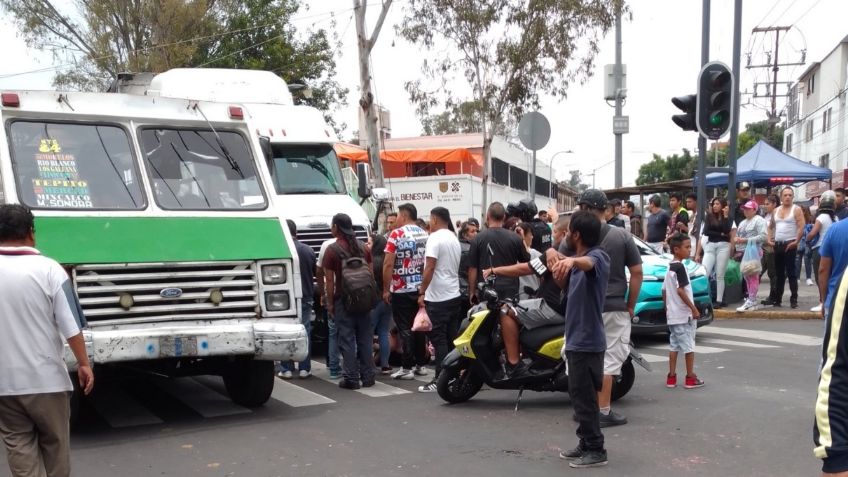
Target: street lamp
594, 170
551, 163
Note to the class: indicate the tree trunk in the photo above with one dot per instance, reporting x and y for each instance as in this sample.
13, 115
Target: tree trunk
487, 161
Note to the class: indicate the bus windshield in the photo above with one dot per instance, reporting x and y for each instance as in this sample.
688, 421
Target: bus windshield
306, 169
74, 166
192, 170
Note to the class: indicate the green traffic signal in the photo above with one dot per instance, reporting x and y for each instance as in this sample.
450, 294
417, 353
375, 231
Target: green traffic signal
716, 119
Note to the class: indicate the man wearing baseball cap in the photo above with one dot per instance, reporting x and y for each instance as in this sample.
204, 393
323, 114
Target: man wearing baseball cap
743, 195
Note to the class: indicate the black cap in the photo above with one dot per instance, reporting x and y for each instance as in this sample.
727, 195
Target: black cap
593, 198
474, 222
343, 224
444, 215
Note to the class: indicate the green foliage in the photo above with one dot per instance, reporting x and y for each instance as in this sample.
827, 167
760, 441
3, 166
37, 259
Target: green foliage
508, 51
576, 181
465, 117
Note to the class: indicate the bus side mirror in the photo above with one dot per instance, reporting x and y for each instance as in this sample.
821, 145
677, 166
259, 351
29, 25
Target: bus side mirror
363, 173
265, 146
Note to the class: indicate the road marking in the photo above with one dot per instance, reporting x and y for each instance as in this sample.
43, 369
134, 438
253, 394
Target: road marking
119, 409
296, 396
203, 400
744, 344
320, 371
777, 337
698, 349
652, 358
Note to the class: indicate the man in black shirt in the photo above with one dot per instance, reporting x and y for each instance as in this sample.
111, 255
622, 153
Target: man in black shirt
657, 224
495, 247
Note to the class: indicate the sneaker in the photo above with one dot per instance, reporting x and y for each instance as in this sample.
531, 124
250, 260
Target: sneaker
335, 374
767, 302
612, 419
285, 374
428, 388
810, 282
386, 371
345, 384
304, 374
692, 382
516, 370
367, 383
671, 381
747, 306
420, 371
572, 454
816, 308
793, 304
589, 459
403, 373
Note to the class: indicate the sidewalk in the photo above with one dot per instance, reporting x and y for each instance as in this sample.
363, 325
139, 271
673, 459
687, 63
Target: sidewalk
808, 297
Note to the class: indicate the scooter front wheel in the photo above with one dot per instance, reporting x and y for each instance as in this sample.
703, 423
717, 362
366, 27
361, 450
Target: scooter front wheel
458, 383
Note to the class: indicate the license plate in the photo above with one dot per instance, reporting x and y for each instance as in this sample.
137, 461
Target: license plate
173, 346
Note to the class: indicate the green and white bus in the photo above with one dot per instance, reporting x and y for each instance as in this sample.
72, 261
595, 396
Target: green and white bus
157, 210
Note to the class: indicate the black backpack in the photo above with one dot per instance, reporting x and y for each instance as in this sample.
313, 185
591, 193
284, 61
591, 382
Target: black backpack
358, 289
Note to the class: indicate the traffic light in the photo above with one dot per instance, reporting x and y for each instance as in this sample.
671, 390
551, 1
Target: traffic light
687, 104
714, 112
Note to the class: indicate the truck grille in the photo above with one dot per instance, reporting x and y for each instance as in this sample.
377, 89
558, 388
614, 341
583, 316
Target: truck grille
167, 291
315, 236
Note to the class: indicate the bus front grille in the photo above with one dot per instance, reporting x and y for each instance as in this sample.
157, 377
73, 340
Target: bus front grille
315, 236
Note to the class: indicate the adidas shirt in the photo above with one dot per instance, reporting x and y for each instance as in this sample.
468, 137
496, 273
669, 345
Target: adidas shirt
38, 311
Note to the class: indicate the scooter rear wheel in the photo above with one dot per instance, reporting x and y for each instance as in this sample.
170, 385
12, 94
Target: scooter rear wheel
622, 384
458, 384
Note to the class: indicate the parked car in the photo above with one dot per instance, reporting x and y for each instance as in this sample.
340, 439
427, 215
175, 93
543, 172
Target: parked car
650, 311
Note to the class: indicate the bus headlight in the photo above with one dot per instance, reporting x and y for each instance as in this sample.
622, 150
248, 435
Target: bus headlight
274, 274
277, 301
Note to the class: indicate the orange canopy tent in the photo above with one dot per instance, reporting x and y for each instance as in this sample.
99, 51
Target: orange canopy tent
456, 160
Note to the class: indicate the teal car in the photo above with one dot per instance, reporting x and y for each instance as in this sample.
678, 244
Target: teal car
650, 311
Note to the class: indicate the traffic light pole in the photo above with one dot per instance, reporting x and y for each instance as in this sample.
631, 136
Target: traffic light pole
734, 127
618, 138
702, 141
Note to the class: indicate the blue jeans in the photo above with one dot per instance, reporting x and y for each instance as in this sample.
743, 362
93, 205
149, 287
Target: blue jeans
306, 318
381, 319
355, 338
333, 364
805, 257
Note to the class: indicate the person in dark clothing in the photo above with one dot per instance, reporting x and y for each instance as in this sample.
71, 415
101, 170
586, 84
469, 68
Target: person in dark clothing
657, 224
720, 232
381, 315
635, 218
584, 276
306, 257
355, 331
841, 210
467, 232
743, 195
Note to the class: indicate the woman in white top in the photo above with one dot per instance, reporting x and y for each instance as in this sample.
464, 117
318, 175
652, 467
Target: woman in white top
752, 229
825, 217
786, 229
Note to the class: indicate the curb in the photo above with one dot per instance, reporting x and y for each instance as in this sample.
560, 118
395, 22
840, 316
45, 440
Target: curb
767, 315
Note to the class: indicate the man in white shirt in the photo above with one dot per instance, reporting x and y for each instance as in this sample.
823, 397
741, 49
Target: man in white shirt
440, 287
38, 309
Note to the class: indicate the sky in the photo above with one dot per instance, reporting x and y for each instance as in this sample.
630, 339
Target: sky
661, 47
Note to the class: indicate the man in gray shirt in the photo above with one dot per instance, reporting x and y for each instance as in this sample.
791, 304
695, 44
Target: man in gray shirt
618, 311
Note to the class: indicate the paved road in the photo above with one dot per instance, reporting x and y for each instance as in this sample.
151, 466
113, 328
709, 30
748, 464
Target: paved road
754, 417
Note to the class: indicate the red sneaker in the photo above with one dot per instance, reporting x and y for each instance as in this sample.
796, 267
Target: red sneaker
671, 381
693, 382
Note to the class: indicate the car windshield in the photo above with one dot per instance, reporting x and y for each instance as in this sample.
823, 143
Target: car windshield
194, 170
306, 169
644, 248
74, 166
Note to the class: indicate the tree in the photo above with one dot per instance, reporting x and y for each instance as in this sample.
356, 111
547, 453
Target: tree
365, 42
670, 168
464, 117
509, 52
576, 181
156, 35
760, 130
307, 59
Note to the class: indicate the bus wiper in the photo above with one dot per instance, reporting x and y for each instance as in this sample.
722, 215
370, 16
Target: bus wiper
180, 157
226, 152
115, 167
318, 166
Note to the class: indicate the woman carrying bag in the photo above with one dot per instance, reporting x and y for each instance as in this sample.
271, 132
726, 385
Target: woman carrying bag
751, 234
719, 229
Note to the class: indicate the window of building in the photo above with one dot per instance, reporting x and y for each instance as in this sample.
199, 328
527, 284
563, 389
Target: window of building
420, 169
500, 172
788, 146
824, 161
827, 119
811, 84
808, 136
518, 178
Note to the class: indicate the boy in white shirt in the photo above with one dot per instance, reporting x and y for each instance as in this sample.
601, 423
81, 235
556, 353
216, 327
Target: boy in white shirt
681, 313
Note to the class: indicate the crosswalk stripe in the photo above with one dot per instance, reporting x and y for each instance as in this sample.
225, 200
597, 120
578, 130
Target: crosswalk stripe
698, 349
774, 336
320, 371
743, 344
119, 409
203, 400
296, 396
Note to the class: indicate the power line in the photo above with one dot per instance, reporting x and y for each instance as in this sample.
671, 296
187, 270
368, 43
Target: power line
759, 23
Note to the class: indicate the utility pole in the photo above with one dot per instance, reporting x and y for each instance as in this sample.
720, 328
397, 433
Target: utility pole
773, 63
366, 42
702, 141
618, 100
734, 127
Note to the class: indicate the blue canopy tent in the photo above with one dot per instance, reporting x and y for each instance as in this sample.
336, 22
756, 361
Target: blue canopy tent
765, 166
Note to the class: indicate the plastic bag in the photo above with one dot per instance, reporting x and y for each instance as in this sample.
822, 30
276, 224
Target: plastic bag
733, 275
751, 264
422, 321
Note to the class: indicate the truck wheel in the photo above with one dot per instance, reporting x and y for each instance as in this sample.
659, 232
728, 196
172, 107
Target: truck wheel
249, 383
621, 385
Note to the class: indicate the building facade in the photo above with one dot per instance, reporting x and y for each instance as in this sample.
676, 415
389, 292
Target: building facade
817, 119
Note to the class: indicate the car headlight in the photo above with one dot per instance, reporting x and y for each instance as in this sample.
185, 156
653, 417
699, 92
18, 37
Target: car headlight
274, 274
277, 301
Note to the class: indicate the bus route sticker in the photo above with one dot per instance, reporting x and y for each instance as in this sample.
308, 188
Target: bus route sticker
58, 184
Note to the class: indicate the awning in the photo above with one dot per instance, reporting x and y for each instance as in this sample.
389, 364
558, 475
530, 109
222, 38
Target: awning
671, 186
765, 166
455, 155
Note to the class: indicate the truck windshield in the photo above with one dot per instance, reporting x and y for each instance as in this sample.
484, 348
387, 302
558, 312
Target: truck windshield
74, 166
306, 169
191, 171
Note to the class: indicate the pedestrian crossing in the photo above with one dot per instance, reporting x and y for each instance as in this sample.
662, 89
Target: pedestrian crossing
122, 406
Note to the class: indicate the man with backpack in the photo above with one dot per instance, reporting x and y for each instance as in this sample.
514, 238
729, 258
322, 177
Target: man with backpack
353, 292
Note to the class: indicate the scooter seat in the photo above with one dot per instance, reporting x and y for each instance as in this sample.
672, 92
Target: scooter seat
537, 337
